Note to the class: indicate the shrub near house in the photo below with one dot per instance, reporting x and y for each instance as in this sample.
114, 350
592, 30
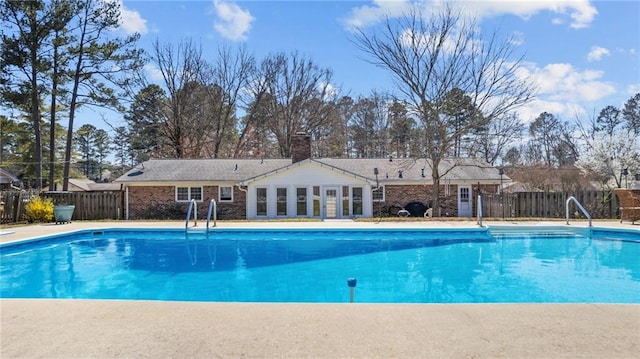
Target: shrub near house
39, 209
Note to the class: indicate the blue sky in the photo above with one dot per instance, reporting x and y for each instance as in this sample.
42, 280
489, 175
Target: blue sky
582, 55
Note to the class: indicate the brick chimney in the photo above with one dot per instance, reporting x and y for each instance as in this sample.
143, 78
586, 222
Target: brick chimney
300, 147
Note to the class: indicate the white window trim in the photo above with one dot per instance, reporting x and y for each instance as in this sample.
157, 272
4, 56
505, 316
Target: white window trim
189, 193
352, 200
286, 201
220, 194
381, 188
266, 189
306, 201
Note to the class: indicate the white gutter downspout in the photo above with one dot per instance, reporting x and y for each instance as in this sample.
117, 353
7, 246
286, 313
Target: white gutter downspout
378, 186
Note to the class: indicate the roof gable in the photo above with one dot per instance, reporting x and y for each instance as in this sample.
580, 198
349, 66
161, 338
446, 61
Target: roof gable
307, 164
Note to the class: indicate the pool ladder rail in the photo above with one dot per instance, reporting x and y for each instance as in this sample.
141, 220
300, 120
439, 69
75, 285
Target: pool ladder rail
193, 208
584, 211
479, 210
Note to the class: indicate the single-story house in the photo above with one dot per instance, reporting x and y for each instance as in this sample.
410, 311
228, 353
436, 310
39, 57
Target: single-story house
302, 186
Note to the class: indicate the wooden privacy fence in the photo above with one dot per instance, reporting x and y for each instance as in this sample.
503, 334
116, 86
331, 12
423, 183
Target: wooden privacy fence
110, 205
88, 205
599, 204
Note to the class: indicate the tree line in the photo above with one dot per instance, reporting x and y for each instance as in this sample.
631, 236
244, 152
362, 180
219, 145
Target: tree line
456, 95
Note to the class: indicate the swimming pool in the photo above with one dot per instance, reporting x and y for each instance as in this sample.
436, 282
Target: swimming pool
497, 265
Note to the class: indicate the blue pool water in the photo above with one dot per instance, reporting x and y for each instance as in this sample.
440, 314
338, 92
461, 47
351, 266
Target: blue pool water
499, 265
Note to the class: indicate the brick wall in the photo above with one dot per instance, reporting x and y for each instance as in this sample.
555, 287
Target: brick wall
159, 202
396, 197
300, 147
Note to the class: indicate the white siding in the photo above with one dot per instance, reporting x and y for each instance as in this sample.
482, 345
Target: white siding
305, 175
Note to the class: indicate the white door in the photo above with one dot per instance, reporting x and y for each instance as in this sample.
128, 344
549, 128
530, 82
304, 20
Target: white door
464, 201
330, 202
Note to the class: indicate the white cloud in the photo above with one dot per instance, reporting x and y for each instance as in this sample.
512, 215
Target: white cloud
233, 22
154, 72
631, 51
563, 82
596, 53
131, 21
563, 90
330, 91
580, 13
366, 15
517, 38
633, 89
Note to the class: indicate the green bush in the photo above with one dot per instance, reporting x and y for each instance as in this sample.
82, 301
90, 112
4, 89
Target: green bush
39, 209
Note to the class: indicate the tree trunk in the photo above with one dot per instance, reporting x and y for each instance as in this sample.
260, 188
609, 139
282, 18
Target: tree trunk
35, 102
67, 150
72, 114
52, 130
435, 176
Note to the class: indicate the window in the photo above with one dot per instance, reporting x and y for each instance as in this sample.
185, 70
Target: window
357, 201
225, 194
464, 194
186, 194
261, 201
316, 201
301, 201
345, 200
281, 202
378, 194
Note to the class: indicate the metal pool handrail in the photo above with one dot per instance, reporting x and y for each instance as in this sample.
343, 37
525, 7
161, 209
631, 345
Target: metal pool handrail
193, 206
479, 210
212, 210
584, 211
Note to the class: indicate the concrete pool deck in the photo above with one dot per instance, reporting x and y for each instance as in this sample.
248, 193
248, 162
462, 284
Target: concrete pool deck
43, 328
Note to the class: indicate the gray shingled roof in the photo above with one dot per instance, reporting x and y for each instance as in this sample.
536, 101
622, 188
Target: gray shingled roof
7, 177
412, 169
178, 170
236, 170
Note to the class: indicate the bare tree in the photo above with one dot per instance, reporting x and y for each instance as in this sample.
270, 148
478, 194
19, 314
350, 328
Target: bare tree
491, 143
203, 97
179, 66
370, 126
429, 56
232, 73
545, 132
552, 141
291, 93
330, 140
